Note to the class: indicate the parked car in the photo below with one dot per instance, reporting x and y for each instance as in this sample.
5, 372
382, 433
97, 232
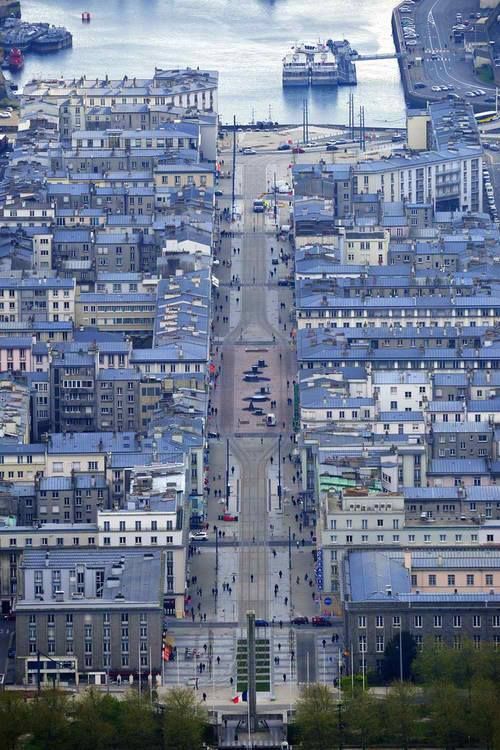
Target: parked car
260, 623
284, 147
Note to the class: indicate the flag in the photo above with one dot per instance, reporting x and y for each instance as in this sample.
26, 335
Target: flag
240, 697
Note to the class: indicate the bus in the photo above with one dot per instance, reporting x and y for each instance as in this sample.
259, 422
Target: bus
485, 116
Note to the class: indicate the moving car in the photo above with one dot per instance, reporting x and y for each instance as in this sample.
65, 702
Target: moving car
321, 621
198, 536
260, 623
298, 150
248, 151
300, 620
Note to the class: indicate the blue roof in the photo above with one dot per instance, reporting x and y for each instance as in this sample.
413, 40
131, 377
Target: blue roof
372, 573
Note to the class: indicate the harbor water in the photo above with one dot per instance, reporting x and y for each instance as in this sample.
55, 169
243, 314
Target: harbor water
244, 41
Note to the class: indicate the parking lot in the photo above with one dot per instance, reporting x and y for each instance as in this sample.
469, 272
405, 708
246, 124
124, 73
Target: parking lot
436, 63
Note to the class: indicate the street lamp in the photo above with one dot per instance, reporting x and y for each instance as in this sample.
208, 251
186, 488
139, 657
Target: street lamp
216, 530
279, 472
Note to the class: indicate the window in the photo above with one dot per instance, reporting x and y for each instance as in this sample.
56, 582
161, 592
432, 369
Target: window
476, 621
470, 579
489, 579
417, 621
457, 621
432, 580
379, 644
362, 621
362, 644
451, 580
379, 621
396, 621
438, 621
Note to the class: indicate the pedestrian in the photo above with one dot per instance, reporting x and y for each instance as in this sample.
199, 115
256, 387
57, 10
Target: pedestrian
231, 681
205, 647
298, 580
218, 660
284, 677
196, 683
204, 697
251, 577
234, 578
279, 646
280, 574
281, 624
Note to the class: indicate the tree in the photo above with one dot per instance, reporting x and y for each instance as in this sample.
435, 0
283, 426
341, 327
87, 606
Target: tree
316, 718
485, 710
95, 721
138, 722
48, 721
362, 717
401, 713
392, 662
447, 714
13, 720
184, 720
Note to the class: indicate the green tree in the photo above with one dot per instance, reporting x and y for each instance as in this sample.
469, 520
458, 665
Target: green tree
485, 711
139, 723
48, 721
447, 714
184, 720
392, 662
316, 718
13, 720
400, 713
362, 717
96, 718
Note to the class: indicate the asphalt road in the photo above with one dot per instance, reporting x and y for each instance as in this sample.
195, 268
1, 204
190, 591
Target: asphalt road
444, 61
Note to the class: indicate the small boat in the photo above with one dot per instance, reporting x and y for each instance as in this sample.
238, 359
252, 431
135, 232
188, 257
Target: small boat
15, 60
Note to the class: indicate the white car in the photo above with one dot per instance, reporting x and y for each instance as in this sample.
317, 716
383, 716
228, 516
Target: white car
435, 88
470, 94
198, 536
4, 115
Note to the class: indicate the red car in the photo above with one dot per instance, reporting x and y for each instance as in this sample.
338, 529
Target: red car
229, 517
321, 621
298, 150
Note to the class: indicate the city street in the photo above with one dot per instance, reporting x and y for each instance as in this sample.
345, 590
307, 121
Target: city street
262, 561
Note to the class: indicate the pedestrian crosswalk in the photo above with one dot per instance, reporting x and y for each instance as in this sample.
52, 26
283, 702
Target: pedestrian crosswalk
327, 651
202, 660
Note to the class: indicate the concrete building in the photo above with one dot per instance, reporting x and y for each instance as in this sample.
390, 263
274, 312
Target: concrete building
97, 611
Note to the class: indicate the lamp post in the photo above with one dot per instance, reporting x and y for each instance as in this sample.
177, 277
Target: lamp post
216, 589
279, 472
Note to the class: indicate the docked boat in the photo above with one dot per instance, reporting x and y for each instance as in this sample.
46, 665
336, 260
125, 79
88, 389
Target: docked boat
54, 39
39, 37
15, 60
310, 65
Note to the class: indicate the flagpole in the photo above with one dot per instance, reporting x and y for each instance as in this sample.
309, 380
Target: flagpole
248, 722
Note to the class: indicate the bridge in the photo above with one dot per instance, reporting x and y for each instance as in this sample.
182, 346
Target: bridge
383, 56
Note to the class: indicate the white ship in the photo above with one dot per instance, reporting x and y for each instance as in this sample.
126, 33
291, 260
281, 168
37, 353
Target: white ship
310, 64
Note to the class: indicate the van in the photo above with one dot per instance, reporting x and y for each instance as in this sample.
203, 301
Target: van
271, 420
